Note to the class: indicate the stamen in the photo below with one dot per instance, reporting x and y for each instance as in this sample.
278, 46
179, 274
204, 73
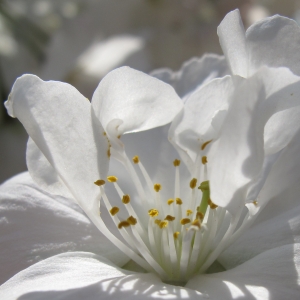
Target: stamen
157, 187
99, 182
176, 162
131, 220
153, 212
211, 204
193, 183
196, 223
126, 199
204, 160
170, 201
123, 224
176, 234
112, 178
255, 202
136, 159
169, 218
185, 221
114, 210
189, 212
205, 144
178, 201
163, 224
157, 222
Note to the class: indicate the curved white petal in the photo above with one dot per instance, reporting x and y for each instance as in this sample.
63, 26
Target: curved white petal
193, 73
239, 152
282, 229
42, 172
61, 123
193, 127
231, 33
138, 100
273, 274
35, 225
88, 276
274, 42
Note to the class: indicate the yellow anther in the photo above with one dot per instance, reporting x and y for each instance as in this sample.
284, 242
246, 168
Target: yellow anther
112, 178
123, 224
197, 223
193, 183
104, 133
211, 204
204, 160
99, 182
136, 159
204, 186
114, 210
255, 202
205, 144
200, 215
119, 136
126, 199
153, 212
189, 212
157, 222
169, 218
170, 201
176, 234
178, 201
108, 152
131, 220
163, 224
185, 221
176, 162
157, 187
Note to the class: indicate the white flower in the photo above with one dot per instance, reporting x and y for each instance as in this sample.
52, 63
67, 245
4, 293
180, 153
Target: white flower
238, 141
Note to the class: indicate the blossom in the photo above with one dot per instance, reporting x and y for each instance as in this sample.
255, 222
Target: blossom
174, 184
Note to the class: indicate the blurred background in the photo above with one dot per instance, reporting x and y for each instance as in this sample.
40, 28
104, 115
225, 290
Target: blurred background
79, 41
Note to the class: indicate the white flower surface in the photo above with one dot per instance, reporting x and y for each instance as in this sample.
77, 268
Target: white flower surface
187, 195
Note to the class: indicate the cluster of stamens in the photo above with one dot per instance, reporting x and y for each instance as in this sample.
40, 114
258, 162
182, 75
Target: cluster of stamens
182, 235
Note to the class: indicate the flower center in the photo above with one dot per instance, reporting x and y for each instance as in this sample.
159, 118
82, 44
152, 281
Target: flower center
176, 237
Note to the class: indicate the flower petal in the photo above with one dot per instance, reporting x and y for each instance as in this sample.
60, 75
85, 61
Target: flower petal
42, 172
35, 225
60, 122
273, 274
274, 42
193, 73
231, 33
280, 230
137, 100
87, 276
241, 139
193, 126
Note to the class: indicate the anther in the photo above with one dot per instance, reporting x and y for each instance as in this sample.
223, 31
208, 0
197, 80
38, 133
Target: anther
193, 183
126, 199
178, 201
163, 224
108, 151
204, 160
112, 178
185, 221
153, 212
205, 144
131, 220
157, 187
114, 210
99, 182
196, 223
211, 204
169, 218
123, 224
176, 162
136, 159
189, 212
255, 202
157, 222
176, 234
200, 215
170, 201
